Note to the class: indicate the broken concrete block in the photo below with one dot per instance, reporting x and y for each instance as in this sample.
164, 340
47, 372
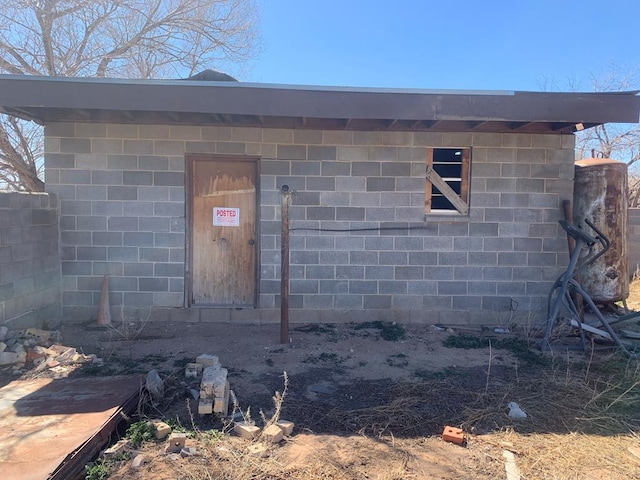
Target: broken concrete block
42, 335
3, 333
208, 360
160, 429
205, 407
117, 448
214, 381
190, 373
3, 347
453, 435
139, 460
272, 434
244, 430
258, 450
286, 426
176, 442
195, 366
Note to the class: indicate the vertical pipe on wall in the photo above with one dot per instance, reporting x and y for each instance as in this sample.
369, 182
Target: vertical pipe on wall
284, 266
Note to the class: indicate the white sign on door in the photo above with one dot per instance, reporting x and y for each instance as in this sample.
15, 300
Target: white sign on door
226, 217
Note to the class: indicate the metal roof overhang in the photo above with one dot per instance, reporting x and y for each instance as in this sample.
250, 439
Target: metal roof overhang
181, 102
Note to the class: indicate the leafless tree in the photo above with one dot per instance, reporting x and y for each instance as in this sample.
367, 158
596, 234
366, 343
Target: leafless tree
616, 141
112, 38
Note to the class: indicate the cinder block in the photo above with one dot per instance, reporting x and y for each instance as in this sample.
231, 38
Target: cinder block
205, 406
176, 442
453, 435
214, 381
221, 404
273, 434
208, 360
286, 426
246, 431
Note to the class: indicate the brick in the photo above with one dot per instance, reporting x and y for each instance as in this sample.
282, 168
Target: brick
247, 431
272, 434
453, 435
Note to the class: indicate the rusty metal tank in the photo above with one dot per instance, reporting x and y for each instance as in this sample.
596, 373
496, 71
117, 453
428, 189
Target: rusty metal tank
600, 195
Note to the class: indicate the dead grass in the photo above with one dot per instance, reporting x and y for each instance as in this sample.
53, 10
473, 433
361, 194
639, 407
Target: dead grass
582, 419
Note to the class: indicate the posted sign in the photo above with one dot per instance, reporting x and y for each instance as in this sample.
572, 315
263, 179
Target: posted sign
226, 217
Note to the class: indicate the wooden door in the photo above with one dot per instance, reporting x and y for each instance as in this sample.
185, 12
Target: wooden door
223, 231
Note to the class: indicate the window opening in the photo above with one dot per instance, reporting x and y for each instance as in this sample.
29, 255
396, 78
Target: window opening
447, 180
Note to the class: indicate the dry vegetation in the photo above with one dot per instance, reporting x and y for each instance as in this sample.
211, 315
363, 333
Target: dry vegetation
583, 421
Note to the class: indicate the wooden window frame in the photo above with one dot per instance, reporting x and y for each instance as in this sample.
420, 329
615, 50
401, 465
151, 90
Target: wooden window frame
460, 201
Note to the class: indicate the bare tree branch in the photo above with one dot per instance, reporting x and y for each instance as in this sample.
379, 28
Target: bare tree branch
112, 38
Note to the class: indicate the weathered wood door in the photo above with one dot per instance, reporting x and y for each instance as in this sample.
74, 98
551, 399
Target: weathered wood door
223, 231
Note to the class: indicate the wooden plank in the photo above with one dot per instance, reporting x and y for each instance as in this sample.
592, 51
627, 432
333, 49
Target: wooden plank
510, 467
465, 175
447, 191
428, 190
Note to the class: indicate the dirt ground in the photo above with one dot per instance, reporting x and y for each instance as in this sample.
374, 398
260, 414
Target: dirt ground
371, 401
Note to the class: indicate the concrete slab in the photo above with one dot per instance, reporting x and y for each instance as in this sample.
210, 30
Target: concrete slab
51, 428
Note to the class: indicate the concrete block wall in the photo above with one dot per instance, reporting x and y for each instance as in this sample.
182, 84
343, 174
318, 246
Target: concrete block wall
121, 190
29, 260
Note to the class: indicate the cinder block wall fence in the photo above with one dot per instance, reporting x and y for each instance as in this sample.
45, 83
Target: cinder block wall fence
29, 260
122, 207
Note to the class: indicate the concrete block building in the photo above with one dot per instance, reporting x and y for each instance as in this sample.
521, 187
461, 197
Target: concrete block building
413, 206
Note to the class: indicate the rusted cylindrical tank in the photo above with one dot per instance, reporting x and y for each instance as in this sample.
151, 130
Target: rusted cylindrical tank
600, 195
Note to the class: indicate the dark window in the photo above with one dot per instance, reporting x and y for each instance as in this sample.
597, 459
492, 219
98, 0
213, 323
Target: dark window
447, 180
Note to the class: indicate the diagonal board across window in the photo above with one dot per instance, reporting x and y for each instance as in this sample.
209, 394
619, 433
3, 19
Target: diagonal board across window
447, 181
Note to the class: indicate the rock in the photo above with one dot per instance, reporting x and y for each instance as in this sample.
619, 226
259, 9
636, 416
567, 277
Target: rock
3, 333
515, 411
8, 358
139, 460
188, 452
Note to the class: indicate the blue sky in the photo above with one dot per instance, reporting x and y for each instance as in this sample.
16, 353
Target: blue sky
450, 44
